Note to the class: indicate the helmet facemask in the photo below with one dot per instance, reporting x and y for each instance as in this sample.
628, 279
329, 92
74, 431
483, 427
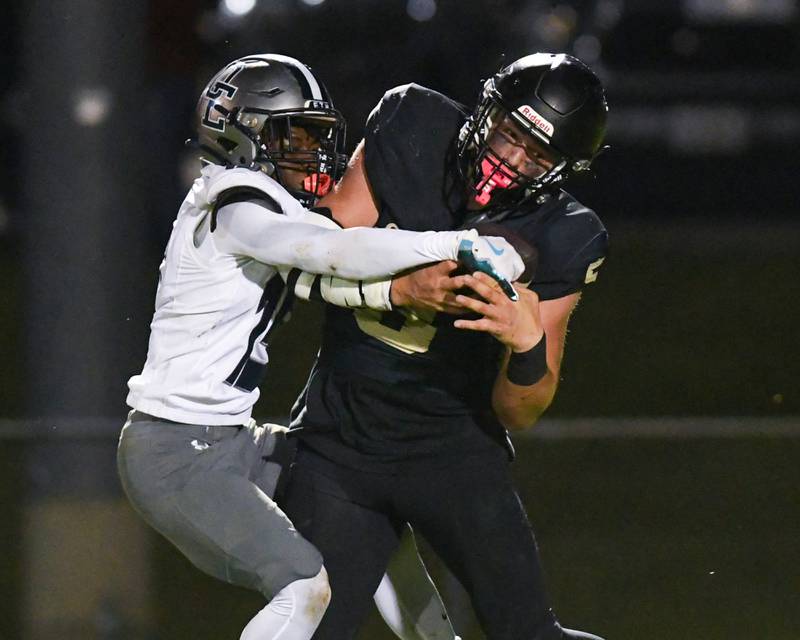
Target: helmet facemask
487, 143
300, 150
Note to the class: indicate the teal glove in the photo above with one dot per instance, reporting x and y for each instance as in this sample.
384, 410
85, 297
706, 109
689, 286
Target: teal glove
493, 256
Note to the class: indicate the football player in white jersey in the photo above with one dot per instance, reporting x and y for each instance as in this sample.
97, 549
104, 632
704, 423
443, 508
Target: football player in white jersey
192, 461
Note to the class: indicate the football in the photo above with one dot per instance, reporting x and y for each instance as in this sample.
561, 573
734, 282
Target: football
526, 251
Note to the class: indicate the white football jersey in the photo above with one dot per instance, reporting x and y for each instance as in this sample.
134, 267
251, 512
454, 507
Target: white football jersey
220, 293
213, 311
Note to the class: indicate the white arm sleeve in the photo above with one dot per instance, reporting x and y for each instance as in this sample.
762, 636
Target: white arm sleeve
371, 294
408, 600
247, 228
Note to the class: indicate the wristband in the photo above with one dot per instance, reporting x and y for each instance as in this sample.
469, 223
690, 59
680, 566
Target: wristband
528, 367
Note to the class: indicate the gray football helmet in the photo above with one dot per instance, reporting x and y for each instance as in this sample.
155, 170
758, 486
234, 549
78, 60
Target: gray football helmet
269, 112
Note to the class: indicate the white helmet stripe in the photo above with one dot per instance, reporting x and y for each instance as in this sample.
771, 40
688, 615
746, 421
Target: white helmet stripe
316, 91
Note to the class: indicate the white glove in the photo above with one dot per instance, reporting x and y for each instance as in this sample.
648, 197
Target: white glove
494, 256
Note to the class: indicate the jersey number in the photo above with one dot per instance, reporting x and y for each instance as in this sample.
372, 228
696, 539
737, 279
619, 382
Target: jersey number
408, 333
591, 271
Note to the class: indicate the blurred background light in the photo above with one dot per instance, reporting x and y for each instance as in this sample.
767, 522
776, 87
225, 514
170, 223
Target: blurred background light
608, 13
587, 48
555, 27
91, 106
238, 7
421, 10
764, 11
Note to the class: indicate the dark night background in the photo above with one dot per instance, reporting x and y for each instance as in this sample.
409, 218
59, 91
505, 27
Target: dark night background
663, 482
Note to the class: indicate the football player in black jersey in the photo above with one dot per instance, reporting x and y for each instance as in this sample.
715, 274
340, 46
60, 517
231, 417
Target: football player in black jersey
405, 415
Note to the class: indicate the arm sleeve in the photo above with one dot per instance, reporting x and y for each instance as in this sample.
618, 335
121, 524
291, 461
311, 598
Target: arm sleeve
249, 229
352, 294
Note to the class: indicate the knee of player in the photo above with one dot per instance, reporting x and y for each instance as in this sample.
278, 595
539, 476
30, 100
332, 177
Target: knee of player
316, 595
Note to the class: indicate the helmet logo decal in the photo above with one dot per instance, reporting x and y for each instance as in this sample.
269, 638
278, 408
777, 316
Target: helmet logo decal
270, 93
318, 104
538, 121
215, 91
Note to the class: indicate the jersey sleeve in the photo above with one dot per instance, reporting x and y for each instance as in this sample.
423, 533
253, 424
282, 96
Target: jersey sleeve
382, 155
570, 254
407, 139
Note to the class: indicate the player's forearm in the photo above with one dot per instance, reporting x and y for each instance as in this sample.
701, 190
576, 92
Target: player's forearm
525, 385
365, 253
358, 254
527, 381
372, 294
518, 407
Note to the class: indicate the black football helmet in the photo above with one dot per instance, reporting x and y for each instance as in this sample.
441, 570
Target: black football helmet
269, 112
553, 98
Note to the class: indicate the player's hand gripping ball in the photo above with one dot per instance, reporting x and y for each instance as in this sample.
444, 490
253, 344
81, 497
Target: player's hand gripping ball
501, 254
526, 251
492, 256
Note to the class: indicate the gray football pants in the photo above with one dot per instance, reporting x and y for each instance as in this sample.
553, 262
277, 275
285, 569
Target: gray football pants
209, 490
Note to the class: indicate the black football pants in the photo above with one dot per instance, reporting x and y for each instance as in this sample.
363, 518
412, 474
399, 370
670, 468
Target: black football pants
469, 513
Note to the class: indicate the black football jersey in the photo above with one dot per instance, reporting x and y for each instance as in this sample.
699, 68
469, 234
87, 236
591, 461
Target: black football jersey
391, 388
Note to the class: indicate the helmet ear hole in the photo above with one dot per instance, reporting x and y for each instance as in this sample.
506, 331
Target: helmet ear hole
228, 145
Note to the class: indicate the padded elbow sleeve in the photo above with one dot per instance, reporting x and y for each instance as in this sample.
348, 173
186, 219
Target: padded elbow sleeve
341, 292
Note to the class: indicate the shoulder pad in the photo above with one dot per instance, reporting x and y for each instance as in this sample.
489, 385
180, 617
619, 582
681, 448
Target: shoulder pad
572, 243
216, 180
410, 103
